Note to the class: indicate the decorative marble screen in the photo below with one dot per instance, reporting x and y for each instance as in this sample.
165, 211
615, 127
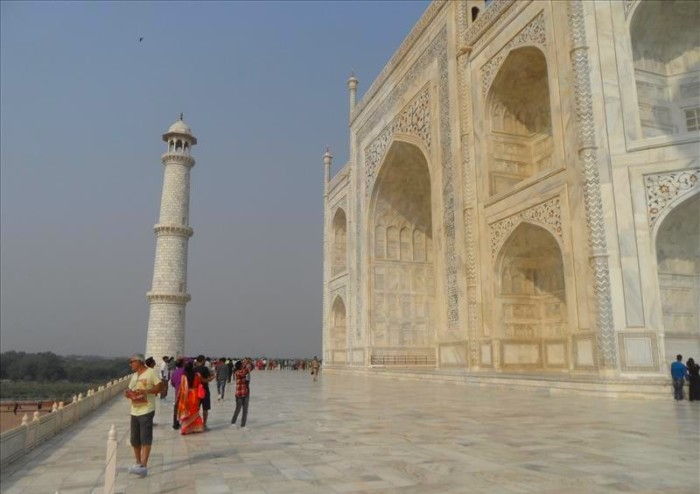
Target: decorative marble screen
403, 279
520, 134
666, 54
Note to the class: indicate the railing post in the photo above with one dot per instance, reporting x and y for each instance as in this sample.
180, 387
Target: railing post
25, 419
35, 417
111, 461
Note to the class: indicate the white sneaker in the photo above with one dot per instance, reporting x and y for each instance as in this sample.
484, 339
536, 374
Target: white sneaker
134, 468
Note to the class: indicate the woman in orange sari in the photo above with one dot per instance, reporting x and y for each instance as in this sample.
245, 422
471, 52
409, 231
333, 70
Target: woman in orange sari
188, 401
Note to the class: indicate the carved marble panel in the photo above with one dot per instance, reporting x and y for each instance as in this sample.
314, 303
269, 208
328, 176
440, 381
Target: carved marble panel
413, 120
638, 351
534, 33
546, 214
663, 188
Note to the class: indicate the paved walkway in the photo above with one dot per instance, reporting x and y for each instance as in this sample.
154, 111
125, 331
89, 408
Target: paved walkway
371, 434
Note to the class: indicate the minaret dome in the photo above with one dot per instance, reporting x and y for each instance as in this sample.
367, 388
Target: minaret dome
179, 137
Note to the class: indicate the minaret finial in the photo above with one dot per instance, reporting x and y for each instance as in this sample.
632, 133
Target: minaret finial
327, 162
181, 115
352, 88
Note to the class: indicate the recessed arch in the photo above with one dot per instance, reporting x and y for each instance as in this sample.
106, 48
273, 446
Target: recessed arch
402, 272
339, 239
519, 120
666, 58
531, 304
677, 246
338, 344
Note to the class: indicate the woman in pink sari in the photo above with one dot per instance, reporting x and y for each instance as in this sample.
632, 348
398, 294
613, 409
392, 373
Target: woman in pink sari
188, 397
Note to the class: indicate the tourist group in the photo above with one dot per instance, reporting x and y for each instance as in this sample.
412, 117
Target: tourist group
190, 378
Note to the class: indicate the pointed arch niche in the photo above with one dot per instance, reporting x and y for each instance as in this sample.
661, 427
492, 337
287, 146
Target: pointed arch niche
402, 266
519, 132
666, 56
678, 265
340, 228
531, 300
338, 342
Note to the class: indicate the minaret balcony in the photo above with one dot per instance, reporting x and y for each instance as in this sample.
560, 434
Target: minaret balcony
178, 158
162, 230
168, 298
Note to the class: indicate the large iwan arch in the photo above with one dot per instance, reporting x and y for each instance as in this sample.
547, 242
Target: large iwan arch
402, 270
678, 265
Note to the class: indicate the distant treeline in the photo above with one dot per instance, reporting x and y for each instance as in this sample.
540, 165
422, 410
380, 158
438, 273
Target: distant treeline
47, 366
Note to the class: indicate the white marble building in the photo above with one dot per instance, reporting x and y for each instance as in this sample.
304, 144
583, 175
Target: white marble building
522, 195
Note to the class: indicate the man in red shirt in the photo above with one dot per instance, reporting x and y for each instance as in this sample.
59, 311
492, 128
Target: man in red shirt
242, 392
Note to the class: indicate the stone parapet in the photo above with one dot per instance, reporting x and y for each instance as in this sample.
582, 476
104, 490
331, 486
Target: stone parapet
17, 442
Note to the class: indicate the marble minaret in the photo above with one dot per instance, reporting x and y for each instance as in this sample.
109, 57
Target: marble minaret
168, 295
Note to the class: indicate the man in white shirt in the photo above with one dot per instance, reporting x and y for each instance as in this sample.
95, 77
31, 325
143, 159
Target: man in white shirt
143, 387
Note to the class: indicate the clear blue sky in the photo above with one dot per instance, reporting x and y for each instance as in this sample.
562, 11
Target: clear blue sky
83, 106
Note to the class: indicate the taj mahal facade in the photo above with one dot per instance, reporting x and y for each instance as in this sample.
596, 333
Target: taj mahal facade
522, 197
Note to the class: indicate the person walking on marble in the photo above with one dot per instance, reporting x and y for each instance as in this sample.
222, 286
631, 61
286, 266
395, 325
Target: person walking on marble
693, 380
315, 368
229, 365
207, 375
678, 373
189, 395
242, 374
164, 373
222, 377
143, 386
175, 378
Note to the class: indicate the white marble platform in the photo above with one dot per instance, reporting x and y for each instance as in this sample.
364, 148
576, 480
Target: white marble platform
367, 434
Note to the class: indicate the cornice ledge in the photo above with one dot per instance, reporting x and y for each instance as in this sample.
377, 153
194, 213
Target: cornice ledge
430, 13
178, 158
176, 230
168, 298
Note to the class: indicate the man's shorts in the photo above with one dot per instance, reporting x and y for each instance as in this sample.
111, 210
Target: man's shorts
205, 403
142, 429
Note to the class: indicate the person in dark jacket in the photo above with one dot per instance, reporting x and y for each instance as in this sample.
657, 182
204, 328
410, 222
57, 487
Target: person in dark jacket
693, 380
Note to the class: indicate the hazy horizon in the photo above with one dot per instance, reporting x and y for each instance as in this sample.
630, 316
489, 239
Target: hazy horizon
83, 104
